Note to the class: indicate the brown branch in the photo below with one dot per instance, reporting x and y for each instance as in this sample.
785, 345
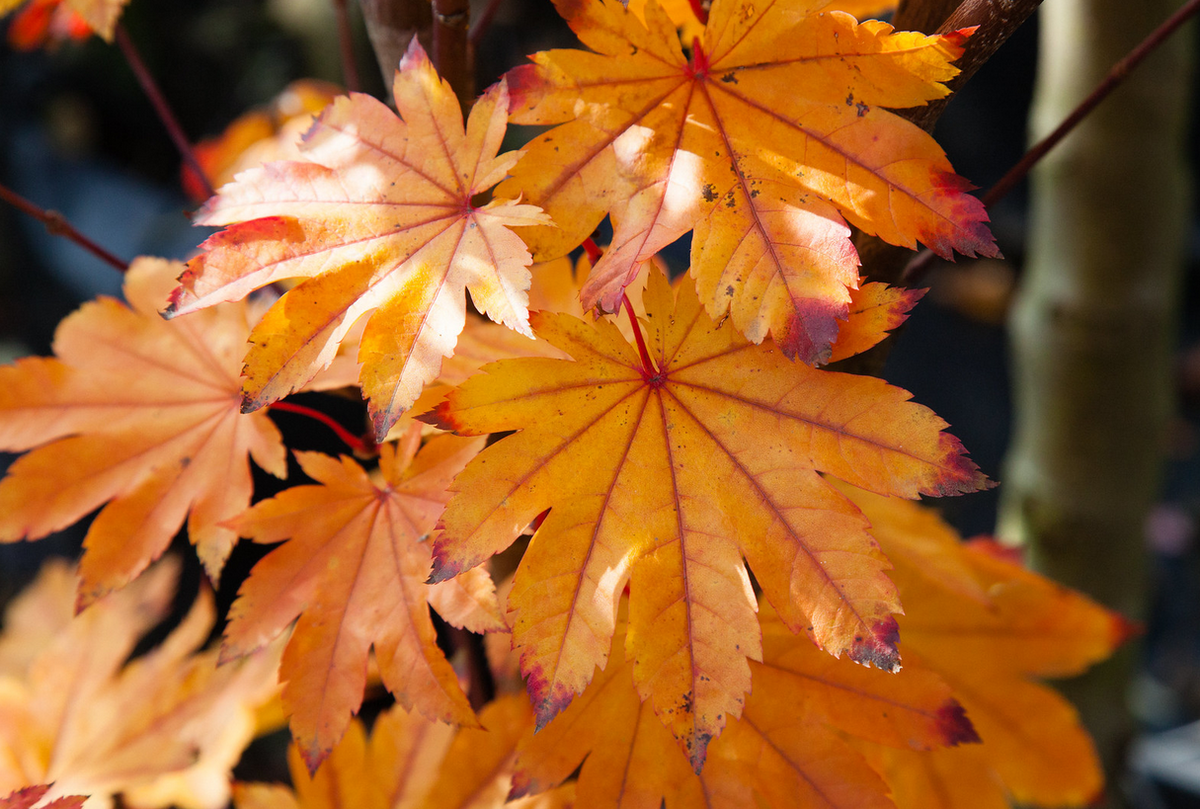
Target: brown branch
483, 21
346, 47
452, 54
391, 25
995, 21
925, 16
57, 225
161, 107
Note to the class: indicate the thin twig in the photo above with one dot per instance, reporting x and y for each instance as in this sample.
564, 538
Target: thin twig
1115, 76
346, 45
363, 447
924, 260
483, 22
57, 225
161, 107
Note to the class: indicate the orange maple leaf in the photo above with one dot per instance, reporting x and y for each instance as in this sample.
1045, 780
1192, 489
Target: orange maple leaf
378, 216
759, 141
665, 472
354, 569
409, 761
163, 729
139, 412
987, 626
784, 751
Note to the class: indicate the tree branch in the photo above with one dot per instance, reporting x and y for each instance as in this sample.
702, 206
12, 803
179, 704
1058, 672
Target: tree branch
452, 55
391, 25
57, 225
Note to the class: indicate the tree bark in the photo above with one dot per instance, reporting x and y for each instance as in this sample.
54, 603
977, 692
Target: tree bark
391, 25
1094, 324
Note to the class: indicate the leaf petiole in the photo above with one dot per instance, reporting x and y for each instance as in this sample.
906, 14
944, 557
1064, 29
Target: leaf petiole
159, 102
363, 447
649, 371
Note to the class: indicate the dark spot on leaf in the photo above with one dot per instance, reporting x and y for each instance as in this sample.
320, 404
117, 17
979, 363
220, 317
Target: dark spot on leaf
862, 108
729, 78
709, 192
729, 290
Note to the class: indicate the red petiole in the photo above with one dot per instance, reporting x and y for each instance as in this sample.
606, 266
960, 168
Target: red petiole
362, 446
649, 371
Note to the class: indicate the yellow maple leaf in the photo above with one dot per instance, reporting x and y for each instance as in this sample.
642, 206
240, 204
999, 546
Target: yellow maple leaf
378, 218
141, 414
761, 141
353, 571
988, 626
665, 471
162, 729
784, 751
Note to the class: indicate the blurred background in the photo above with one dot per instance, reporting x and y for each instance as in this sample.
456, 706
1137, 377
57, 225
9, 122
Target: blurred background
77, 135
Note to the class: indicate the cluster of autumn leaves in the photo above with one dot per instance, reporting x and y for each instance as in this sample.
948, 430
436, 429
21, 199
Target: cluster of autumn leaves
717, 529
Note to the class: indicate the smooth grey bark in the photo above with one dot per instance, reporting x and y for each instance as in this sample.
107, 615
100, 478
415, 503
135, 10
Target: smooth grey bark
1094, 325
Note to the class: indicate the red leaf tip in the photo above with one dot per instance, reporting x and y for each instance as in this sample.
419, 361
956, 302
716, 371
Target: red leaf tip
953, 724
879, 648
443, 568
439, 417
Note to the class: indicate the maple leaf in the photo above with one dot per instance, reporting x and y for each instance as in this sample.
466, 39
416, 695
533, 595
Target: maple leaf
75, 713
784, 751
354, 569
141, 414
666, 477
409, 761
875, 309
762, 140
378, 216
987, 626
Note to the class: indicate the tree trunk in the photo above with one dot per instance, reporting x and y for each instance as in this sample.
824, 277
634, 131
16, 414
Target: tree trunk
1094, 326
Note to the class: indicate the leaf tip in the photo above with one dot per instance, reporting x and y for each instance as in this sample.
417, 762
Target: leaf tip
878, 648
954, 726
811, 329
549, 699
523, 784
439, 417
1123, 629
697, 751
313, 754
443, 569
